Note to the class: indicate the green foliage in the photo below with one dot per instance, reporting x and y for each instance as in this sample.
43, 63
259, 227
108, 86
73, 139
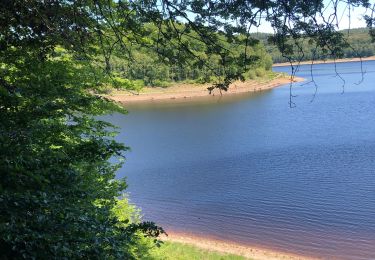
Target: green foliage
161, 83
250, 74
57, 185
126, 212
359, 44
127, 84
143, 247
260, 72
199, 67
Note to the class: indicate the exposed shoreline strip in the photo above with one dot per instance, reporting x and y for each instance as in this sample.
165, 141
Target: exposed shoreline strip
191, 91
328, 61
229, 247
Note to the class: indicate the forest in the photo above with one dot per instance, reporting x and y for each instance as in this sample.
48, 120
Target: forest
147, 67
359, 44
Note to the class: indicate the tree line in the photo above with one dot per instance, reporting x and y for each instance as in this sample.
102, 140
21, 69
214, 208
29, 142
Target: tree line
146, 67
359, 44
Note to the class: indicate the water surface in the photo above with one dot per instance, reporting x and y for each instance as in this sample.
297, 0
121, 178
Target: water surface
253, 170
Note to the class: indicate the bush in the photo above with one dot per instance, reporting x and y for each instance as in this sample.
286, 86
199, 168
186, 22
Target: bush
250, 74
268, 62
161, 84
128, 215
127, 84
260, 72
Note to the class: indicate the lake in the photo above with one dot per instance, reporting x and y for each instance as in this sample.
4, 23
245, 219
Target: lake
250, 169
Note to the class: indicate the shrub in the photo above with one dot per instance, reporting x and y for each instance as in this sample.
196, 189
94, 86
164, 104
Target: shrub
251, 74
127, 84
260, 72
161, 84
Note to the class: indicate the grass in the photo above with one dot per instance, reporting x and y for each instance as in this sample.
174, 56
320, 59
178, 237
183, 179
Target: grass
179, 251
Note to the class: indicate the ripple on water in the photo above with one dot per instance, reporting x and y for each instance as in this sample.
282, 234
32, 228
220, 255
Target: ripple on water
256, 171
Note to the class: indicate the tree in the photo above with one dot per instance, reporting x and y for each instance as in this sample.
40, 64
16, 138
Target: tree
58, 189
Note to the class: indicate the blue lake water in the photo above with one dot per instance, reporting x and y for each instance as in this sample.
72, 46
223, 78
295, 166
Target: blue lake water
251, 169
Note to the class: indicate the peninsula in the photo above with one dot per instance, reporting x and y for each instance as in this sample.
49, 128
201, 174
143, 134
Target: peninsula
191, 91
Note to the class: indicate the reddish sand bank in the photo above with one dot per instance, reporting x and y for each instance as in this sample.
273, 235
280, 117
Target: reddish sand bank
255, 253
187, 91
325, 61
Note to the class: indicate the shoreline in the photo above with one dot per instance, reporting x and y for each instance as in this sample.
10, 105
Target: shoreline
328, 61
230, 247
193, 91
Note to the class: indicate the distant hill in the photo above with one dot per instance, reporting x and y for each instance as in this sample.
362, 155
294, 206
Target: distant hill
359, 39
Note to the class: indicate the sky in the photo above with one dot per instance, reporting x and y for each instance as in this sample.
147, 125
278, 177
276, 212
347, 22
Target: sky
356, 20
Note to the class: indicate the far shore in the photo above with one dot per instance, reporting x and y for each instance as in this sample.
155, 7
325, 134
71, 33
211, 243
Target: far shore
192, 91
328, 61
228, 247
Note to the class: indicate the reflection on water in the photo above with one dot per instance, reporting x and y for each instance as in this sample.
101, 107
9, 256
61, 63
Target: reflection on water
249, 168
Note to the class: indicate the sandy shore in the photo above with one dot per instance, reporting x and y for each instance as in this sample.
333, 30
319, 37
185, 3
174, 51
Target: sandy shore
190, 91
252, 252
325, 61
